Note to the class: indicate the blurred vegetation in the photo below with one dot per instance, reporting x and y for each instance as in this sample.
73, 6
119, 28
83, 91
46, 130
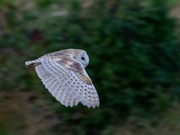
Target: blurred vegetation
133, 49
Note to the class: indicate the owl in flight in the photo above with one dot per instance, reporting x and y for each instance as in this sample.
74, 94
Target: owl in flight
63, 74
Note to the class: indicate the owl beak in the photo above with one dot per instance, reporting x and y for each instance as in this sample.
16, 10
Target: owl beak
85, 64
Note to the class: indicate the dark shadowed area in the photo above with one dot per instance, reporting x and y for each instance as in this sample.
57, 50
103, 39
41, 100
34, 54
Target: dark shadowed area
134, 51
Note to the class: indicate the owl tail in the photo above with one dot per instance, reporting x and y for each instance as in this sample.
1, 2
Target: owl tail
32, 63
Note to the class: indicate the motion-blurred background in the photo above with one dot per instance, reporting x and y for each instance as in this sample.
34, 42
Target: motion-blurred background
134, 51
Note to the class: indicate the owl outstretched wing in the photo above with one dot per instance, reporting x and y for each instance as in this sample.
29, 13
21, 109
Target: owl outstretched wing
67, 81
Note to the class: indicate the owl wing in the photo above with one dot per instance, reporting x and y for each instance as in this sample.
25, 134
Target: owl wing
68, 85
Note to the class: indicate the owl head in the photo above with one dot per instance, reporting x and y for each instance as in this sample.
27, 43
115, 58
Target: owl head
80, 55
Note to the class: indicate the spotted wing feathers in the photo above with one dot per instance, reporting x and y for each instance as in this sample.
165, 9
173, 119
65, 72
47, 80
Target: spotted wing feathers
65, 85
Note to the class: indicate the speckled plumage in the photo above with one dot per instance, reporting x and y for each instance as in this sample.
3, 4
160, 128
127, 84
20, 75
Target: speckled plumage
63, 74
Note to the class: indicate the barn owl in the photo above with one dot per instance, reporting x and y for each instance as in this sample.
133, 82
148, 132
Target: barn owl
63, 74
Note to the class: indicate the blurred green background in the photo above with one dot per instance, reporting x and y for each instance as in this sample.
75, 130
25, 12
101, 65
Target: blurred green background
134, 51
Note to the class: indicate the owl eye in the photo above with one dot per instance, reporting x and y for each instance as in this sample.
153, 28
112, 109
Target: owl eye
82, 58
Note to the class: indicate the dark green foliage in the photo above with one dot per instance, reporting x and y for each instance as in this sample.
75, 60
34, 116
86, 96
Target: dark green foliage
134, 55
